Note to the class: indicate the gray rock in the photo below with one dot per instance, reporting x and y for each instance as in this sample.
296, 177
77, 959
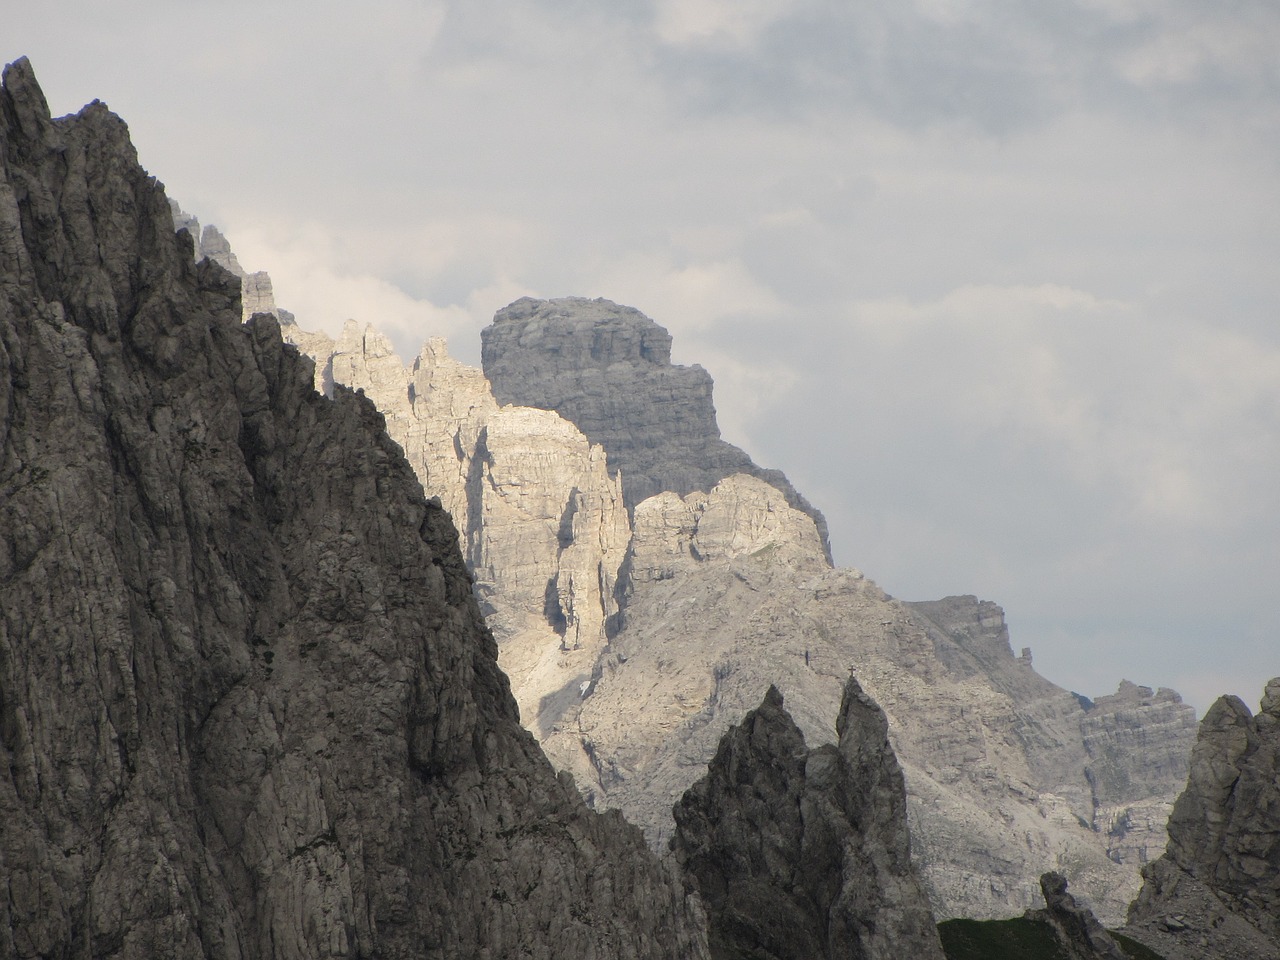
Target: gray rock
1216, 889
1138, 744
1077, 930
249, 705
256, 293
730, 589
607, 369
803, 853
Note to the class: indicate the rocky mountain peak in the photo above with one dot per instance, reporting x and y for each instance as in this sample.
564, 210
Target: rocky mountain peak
634, 639
607, 369
802, 853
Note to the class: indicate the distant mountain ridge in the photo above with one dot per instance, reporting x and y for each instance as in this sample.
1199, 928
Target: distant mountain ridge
637, 630
632, 698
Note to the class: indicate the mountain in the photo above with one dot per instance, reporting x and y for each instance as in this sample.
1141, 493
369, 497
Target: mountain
801, 854
637, 631
1216, 890
607, 369
249, 706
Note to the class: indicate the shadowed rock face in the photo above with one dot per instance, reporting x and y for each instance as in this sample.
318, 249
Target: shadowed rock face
607, 369
803, 853
729, 590
1216, 890
248, 704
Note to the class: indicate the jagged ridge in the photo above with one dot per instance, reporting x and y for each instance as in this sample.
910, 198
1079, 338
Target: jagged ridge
250, 707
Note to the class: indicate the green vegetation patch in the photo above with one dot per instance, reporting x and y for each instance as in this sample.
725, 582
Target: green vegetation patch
1016, 939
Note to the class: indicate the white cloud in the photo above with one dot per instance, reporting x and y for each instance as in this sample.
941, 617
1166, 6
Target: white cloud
994, 282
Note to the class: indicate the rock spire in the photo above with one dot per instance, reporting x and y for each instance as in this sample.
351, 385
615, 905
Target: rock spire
802, 853
1216, 890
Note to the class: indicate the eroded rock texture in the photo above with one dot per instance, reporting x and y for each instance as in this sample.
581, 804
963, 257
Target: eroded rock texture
544, 526
1216, 890
725, 591
607, 369
802, 853
630, 660
256, 294
1079, 934
1138, 743
248, 704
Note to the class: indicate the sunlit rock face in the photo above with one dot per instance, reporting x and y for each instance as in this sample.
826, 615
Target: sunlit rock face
1216, 890
249, 707
607, 369
705, 598
646, 583
543, 523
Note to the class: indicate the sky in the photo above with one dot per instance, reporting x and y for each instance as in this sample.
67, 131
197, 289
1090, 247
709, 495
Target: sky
996, 284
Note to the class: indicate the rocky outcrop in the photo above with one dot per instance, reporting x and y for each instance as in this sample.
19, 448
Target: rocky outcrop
970, 725
728, 590
607, 369
629, 662
802, 853
1078, 932
256, 294
249, 705
1138, 742
740, 516
1216, 889
544, 527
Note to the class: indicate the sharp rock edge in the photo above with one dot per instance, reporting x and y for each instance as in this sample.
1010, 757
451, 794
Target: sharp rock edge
249, 707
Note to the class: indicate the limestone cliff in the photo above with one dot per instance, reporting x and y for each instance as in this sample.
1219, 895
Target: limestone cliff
543, 523
1138, 744
632, 649
248, 704
1216, 890
607, 369
802, 853
256, 294
727, 590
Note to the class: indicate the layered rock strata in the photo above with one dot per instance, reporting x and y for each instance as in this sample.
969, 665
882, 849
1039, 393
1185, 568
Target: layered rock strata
607, 369
1216, 890
801, 853
250, 707
1137, 745
543, 523
632, 649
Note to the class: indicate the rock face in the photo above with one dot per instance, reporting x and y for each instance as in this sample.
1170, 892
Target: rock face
1076, 929
720, 593
635, 638
543, 523
803, 853
607, 369
250, 708
1137, 744
256, 294
1216, 889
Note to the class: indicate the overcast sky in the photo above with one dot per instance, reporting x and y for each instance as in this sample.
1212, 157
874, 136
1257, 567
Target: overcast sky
996, 283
